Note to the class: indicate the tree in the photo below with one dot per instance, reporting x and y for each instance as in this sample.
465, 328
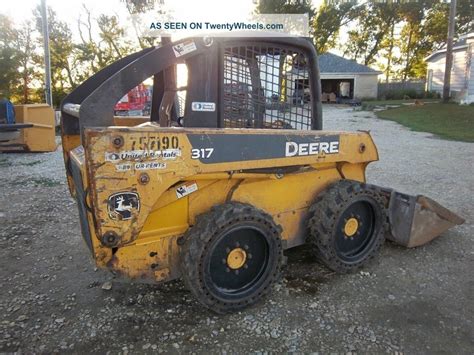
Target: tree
9, 78
374, 23
112, 35
107, 44
285, 7
329, 19
388, 47
425, 25
414, 45
136, 7
25, 44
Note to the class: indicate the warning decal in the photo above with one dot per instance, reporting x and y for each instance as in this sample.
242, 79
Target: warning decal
186, 189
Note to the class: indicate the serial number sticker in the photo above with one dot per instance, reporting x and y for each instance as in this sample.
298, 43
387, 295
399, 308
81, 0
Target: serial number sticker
186, 189
154, 143
183, 48
203, 106
167, 154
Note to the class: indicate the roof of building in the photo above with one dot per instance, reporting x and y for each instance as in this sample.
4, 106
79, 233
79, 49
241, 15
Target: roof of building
461, 43
332, 63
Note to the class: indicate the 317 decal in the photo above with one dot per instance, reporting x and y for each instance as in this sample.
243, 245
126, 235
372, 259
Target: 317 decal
203, 153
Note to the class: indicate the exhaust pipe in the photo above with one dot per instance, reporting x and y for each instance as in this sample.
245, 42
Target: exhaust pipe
416, 220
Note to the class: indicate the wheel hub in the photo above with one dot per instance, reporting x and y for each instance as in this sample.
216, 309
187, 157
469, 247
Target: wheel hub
236, 258
351, 226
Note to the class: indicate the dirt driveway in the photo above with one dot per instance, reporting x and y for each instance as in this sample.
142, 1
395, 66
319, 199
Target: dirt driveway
415, 301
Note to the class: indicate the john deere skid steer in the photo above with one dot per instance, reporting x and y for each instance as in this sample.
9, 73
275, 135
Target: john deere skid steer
229, 170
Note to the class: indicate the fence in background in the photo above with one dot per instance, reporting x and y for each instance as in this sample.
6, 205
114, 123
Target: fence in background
397, 90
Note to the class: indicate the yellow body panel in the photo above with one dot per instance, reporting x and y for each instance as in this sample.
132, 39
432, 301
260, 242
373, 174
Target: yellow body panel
39, 138
174, 190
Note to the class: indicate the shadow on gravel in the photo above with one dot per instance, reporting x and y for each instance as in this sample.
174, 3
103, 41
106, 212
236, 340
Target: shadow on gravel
304, 272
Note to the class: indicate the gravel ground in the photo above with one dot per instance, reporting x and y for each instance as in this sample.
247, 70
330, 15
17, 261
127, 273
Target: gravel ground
414, 301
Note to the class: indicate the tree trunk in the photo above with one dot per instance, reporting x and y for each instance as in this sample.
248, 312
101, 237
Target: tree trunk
25, 85
390, 53
407, 57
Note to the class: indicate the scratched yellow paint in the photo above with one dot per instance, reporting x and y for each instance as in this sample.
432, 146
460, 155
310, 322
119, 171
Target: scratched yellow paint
148, 248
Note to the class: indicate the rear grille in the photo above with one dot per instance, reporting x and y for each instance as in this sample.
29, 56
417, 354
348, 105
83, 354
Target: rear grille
266, 87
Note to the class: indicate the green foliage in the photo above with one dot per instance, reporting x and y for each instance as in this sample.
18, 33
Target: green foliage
9, 78
285, 7
95, 54
329, 20
398, 36
374, 23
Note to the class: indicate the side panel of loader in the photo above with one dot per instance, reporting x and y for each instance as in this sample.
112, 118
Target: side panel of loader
141, 198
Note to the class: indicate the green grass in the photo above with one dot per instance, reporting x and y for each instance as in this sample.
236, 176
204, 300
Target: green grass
449, 121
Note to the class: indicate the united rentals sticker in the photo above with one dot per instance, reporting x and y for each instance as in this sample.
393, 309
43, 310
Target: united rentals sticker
203, 106
122, 205
130, 155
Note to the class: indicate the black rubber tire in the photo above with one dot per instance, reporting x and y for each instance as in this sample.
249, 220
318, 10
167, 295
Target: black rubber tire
210, 230
325, 215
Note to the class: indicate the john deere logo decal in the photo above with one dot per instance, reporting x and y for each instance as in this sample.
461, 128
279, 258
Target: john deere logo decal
122, 205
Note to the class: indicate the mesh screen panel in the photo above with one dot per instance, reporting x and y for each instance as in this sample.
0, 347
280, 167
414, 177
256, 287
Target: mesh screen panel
266, 87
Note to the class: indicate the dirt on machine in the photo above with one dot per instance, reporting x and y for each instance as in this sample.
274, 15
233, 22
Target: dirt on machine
228, 171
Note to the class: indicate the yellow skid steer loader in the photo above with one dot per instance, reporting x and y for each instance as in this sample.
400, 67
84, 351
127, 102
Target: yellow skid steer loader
227, 172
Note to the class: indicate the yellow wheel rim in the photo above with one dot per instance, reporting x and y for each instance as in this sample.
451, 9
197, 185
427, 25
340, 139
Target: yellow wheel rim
236, 258
351, 226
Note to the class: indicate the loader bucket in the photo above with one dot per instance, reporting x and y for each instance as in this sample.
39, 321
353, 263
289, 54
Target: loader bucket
416, 220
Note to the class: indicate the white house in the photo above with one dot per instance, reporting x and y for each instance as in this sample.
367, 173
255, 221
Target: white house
462, 72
